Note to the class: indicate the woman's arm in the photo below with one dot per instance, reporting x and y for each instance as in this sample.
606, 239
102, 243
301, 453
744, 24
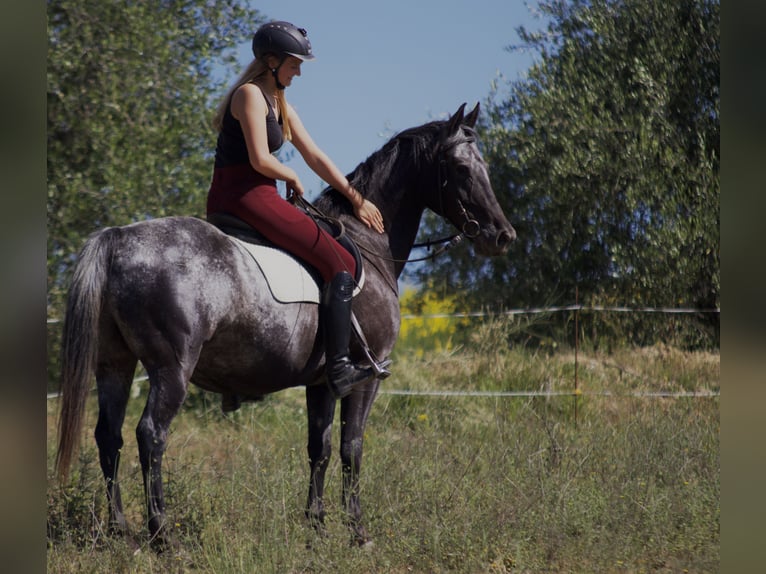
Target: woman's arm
324, 167
249, 107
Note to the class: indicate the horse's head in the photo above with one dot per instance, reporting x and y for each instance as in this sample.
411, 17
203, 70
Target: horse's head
464, 195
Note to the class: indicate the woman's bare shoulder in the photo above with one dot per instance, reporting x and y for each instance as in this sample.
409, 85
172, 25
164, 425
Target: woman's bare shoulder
248, 98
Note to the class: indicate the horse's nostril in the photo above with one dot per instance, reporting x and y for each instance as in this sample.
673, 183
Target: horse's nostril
505, 237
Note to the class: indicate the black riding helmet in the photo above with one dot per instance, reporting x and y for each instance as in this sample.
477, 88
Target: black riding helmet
282, 39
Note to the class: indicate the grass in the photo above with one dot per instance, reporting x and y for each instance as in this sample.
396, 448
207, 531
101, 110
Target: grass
449, 484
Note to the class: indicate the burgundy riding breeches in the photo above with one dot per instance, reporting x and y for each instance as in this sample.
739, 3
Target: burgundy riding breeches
245, 193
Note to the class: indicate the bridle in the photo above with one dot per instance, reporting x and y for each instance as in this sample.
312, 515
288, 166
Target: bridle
469, 228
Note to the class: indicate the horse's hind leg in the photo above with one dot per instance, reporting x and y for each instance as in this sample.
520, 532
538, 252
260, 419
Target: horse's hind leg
167, 392
114, 376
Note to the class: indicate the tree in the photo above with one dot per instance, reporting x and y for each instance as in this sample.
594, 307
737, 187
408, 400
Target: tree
131, 89
606, 158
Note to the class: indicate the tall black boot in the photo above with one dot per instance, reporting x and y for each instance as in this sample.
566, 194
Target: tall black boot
342, 374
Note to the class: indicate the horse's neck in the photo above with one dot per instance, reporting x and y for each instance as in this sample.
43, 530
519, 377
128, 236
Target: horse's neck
402, 234
402, 205
399, 194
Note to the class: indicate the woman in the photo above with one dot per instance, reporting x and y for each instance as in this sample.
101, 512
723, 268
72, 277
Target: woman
253, 121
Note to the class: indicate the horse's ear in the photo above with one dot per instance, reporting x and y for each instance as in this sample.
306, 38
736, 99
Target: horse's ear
456, 120
470, 119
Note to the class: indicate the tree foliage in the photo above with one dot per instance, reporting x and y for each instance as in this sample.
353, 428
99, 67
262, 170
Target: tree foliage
606, 159
131, 88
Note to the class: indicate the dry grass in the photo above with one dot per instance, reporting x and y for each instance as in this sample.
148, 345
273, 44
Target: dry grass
459, 484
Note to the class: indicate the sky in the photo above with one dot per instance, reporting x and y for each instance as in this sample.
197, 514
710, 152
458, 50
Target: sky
384, 66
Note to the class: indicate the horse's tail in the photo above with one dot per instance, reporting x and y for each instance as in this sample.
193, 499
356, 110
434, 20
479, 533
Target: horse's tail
79, 343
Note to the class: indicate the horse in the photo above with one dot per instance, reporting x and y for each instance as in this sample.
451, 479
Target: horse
177, 295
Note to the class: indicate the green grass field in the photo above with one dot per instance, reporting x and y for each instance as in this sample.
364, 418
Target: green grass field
449, 484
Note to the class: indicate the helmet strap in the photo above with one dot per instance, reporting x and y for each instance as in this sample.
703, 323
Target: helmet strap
275, 72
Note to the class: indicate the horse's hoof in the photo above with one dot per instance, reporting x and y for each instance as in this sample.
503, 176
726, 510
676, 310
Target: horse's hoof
133, 544
362, 540
365, 544
164, 543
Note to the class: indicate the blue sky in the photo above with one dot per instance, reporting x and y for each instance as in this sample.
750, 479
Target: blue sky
386, 66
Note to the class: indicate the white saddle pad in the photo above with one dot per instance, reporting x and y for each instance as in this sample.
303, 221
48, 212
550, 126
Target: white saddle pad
288, 279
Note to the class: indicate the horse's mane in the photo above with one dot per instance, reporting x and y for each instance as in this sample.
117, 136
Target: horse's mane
379, 168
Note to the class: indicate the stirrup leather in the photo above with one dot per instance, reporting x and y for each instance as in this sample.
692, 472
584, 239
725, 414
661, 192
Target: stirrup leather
379, 367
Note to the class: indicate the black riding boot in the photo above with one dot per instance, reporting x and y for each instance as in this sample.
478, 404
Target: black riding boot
342, 374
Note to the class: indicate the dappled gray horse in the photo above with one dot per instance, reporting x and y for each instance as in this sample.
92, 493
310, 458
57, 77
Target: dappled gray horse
188, 302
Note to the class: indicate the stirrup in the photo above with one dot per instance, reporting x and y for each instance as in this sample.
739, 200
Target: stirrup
381, 370
374, 371
343, 387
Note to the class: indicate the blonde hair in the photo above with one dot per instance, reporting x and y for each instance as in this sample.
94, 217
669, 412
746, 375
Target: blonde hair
254, 70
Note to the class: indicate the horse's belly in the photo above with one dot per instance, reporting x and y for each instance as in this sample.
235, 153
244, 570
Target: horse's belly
266, 354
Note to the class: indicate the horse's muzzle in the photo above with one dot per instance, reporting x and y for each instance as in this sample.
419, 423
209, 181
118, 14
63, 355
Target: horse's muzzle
504, 238
493, 243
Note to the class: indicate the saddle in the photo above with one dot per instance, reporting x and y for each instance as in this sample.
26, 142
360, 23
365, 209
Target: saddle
290, 280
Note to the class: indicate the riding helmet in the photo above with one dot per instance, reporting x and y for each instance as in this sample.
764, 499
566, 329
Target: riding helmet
283, 39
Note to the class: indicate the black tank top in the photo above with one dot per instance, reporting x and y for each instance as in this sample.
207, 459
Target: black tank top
231, 148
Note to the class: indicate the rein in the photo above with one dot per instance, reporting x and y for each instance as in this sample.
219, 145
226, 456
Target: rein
470, 227
316, 213
450, 242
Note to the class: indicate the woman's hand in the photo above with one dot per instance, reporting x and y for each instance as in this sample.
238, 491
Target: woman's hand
370, 215
294, 187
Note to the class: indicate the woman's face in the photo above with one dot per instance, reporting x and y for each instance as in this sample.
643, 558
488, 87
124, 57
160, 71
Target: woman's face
290, 68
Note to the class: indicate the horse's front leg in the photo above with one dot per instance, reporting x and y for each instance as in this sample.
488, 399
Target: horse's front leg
320, 405
355, 409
